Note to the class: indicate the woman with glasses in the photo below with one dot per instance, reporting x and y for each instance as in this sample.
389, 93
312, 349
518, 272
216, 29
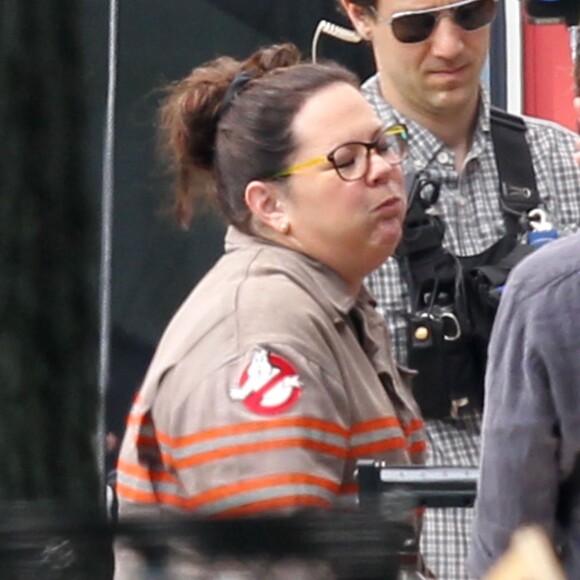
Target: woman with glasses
275, 376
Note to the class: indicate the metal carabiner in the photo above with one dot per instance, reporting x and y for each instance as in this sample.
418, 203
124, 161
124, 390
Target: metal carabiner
449, 316
457, 334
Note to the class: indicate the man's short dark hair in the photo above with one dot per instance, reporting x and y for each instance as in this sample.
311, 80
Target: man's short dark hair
361, 3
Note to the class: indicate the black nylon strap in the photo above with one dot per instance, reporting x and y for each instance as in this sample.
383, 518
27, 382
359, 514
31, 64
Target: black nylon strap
518, 188
454, 370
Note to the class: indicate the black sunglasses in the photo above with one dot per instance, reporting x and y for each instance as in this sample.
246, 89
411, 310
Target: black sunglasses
418, 25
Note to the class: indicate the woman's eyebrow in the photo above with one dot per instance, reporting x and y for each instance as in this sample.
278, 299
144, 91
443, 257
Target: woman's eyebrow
373, 135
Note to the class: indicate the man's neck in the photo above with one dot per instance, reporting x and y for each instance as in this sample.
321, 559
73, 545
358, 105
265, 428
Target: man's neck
455, 128
456, 132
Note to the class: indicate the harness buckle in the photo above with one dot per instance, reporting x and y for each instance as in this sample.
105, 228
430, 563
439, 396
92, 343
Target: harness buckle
538, 220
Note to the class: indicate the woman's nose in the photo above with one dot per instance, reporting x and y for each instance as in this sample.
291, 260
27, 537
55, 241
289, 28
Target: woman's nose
380, 166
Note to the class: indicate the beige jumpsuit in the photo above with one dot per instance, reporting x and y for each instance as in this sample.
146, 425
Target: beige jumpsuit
267, 386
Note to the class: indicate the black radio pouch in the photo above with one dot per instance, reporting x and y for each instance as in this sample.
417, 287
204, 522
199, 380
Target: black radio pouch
451, 378
439, 330
454, 299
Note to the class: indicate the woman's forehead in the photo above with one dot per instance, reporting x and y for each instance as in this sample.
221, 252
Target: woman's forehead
334, 114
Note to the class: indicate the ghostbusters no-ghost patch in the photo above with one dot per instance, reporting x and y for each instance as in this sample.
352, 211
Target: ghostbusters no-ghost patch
269, 385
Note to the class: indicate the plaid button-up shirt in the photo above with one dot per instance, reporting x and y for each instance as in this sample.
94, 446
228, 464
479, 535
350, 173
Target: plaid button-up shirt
469, 200
469, 206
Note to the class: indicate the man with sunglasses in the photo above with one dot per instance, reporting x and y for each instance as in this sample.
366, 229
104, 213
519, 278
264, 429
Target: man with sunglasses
429, 56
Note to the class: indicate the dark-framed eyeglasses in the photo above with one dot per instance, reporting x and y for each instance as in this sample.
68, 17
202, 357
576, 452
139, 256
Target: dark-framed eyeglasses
414, 26
351, 160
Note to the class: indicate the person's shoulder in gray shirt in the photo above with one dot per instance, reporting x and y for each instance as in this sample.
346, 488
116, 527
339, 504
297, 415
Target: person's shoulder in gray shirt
531, 430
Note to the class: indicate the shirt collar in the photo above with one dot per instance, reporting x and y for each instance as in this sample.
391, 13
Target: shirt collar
321, 282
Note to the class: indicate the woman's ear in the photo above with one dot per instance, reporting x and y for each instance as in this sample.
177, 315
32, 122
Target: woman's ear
266, 206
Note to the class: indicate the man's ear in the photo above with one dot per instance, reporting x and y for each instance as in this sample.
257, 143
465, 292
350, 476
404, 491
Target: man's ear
359, 17
264, 200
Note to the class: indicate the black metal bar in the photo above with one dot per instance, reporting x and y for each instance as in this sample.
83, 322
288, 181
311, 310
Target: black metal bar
440, 487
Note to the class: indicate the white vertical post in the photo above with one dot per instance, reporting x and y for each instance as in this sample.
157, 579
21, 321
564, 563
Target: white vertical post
107, 236
514, 56
574, 38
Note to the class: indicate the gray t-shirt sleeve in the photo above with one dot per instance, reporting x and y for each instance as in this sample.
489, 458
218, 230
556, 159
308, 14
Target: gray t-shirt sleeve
530, 430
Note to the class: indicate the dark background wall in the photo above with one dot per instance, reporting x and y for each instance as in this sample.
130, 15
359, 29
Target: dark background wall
48, 392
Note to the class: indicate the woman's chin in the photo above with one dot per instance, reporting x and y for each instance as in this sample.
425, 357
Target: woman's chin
388, 236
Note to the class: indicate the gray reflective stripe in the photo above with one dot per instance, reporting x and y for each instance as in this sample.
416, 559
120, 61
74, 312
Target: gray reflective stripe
238, 500
375, 436
416, 436
266, 435
149, 486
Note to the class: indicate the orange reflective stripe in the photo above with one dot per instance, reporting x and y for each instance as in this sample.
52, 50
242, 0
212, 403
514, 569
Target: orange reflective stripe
413, 437
412, 426
246, 428
259, 483
138, 420
254, 437
369, 449
414, 430
377, 436
132, 494
375, 425
239, 488
260, 447
418, 447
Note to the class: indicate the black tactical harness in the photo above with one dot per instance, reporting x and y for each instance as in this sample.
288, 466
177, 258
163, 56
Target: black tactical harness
454, 298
